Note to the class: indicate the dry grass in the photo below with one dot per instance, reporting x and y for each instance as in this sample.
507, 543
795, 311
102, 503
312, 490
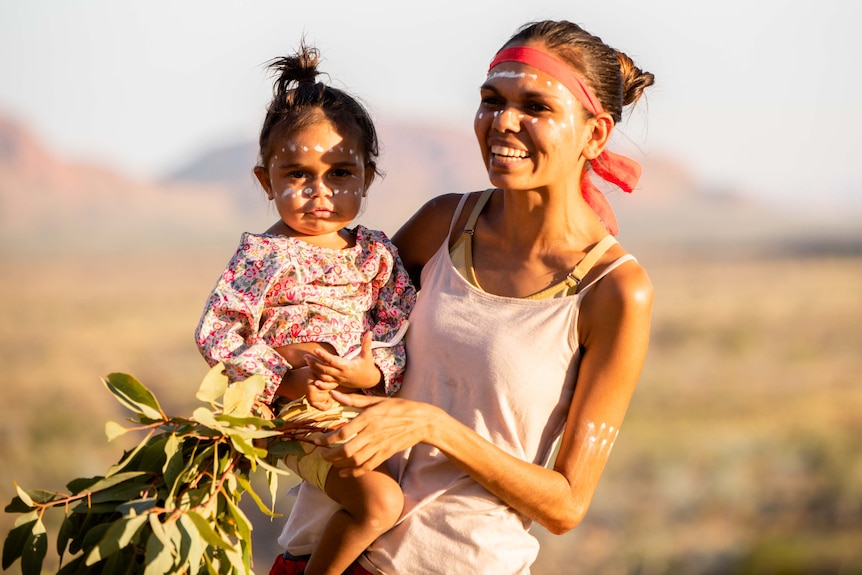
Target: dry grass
741, 452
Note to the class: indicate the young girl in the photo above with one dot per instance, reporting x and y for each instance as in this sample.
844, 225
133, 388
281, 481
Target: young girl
311, 304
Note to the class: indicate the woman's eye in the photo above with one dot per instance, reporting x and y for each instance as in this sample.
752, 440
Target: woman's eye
491, 101
537, 108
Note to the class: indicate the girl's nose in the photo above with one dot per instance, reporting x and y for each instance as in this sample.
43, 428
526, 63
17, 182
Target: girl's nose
317, 189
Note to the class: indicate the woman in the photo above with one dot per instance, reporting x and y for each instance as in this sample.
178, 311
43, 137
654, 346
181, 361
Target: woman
530, 329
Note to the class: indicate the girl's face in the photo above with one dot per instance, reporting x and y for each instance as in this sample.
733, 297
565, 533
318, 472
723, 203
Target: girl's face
317, 179
531, 129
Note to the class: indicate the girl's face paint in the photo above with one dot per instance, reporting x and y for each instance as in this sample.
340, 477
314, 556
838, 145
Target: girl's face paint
316, 183
530, 128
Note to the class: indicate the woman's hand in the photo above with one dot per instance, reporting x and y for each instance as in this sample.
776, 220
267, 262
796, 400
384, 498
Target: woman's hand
385, 427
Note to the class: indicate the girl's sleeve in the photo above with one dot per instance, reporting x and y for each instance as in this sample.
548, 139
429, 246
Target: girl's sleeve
396, 296
227, 331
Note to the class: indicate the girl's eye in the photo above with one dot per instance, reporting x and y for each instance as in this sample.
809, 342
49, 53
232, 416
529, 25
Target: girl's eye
341, 173
296, 174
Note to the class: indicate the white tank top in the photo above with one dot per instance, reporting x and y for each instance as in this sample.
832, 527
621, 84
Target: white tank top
506, 368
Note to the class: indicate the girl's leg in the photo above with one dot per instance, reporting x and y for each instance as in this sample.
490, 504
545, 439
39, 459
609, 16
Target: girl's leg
370, 505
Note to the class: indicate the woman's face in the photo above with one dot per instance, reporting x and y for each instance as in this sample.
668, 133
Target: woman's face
531, 129
317, 179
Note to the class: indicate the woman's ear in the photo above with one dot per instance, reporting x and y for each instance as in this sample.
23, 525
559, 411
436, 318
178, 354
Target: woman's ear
602, 126
262, 175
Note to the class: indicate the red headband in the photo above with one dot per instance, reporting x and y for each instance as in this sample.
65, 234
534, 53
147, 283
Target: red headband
619, 170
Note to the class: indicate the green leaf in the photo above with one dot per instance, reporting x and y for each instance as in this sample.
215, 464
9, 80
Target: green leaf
158, 529
243, 525
206, 530
239, 397
279, 449
119, 563
192, 546
17, 505
174, 462
138, 506
246, 485
247, 448
17, 538
206, 418
131, 490
159, 557
114, 430
105, 482
65, 533
153, 454
74, 567
134, 395
80, 484
25, 497
118, 535
130, 456
94, 528
34, 551
213, 386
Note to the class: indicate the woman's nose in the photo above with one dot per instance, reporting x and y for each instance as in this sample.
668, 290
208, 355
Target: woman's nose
508, 120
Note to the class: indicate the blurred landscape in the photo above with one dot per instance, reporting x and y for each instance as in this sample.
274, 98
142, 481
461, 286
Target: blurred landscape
741, 452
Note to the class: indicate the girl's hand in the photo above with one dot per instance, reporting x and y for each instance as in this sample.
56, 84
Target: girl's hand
318, 394
360, 372
385, 427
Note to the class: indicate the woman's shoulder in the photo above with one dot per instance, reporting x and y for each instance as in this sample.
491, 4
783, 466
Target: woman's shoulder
422, 235
626, 285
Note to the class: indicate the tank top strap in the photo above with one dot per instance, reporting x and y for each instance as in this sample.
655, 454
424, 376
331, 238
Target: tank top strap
470, 226
583, 267
611, 267
457, 213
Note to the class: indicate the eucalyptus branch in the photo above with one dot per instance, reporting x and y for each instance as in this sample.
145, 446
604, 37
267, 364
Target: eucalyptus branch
158, 511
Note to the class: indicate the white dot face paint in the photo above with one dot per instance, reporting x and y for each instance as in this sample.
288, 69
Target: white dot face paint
511, 75
596, 442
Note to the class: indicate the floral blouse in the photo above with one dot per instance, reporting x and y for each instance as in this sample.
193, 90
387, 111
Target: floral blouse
278, 290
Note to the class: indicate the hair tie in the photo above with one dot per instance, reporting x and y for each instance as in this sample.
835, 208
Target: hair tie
614, 168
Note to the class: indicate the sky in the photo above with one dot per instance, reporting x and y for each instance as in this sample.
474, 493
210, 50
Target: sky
752, 96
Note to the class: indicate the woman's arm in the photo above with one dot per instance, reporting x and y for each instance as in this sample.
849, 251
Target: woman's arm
421, 236
616, 331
